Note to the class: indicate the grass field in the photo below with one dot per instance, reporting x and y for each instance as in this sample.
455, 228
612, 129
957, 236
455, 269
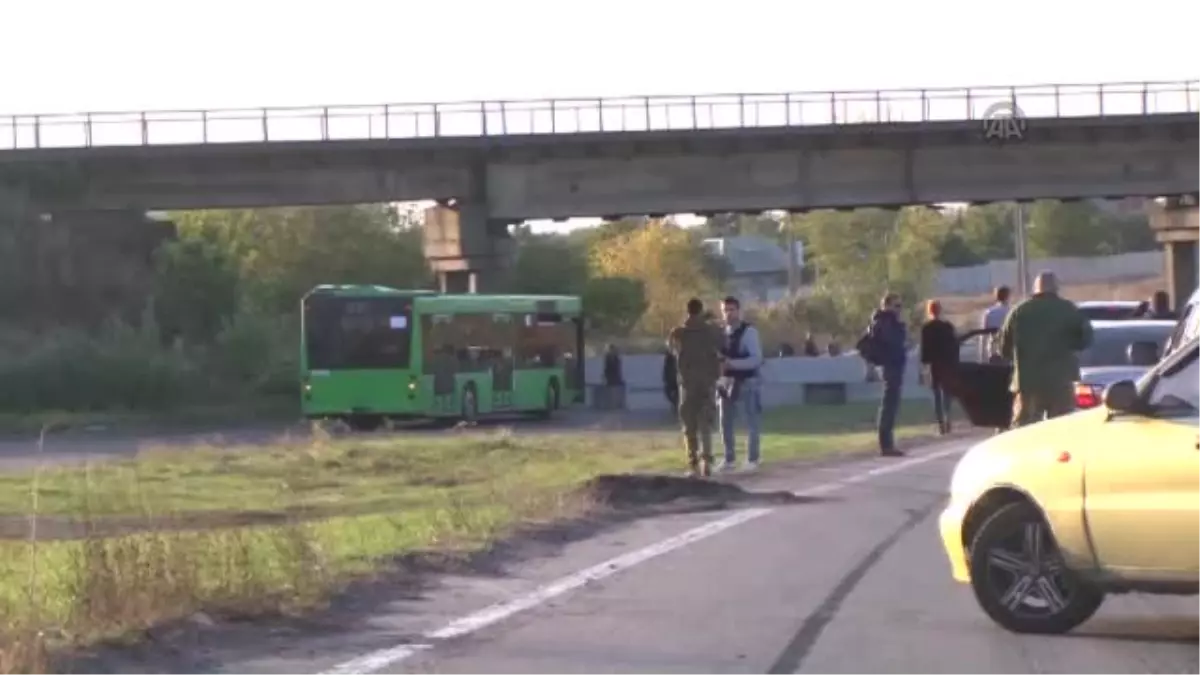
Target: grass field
242, 412
122, 545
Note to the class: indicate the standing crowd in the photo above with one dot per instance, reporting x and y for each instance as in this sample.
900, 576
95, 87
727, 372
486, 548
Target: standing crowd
711, 371
717, 375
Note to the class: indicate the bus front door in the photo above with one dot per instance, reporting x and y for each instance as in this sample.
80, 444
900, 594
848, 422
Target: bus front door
502, 380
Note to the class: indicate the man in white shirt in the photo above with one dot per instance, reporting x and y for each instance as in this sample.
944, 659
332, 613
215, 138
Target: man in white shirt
993, 317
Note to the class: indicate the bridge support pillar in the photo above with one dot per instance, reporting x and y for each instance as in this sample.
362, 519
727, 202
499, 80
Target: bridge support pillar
1176, 226
469, 251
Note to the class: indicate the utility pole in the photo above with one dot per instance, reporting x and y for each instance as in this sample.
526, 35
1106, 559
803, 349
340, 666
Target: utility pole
793, 267
1022, 249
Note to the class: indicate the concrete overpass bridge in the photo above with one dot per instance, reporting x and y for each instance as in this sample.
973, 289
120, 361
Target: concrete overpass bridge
500, 162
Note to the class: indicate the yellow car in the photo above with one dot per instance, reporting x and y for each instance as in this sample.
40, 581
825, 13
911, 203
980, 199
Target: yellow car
1044, 520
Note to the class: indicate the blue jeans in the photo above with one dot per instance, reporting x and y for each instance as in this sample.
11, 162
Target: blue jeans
749, 405
889, 406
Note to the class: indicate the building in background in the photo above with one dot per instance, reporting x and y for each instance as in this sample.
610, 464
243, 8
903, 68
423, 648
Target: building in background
758, 267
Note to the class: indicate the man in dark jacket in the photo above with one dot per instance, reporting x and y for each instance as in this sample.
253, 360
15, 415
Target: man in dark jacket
888, 334
696, 345
614, 375
1041, 337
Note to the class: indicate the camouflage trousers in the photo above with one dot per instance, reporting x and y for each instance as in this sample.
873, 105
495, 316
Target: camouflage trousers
697, 413
1030, 407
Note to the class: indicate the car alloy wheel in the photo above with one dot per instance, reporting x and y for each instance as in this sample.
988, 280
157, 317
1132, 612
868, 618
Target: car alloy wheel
1020, 578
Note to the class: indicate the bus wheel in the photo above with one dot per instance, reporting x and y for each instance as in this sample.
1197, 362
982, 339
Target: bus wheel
470, 405
364, 422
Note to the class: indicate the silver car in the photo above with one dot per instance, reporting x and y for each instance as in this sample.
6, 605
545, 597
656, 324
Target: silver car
1120, 350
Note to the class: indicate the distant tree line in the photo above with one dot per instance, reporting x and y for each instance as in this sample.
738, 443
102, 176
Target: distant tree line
210, 308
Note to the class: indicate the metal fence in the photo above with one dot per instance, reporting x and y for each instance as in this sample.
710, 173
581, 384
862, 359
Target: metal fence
600, 115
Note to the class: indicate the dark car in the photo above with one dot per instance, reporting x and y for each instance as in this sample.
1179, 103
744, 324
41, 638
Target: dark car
1123, 349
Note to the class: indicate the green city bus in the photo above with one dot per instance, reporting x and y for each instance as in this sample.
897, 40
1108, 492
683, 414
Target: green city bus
372, 353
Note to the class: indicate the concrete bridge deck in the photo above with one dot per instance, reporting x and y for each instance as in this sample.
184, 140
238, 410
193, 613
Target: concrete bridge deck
557, 159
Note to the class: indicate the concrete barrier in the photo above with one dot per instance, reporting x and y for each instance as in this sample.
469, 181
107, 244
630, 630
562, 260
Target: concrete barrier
792, 380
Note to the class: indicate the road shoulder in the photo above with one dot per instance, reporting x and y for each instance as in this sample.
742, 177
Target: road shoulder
424, 592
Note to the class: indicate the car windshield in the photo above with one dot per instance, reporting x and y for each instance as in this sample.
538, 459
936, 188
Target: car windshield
1179, 384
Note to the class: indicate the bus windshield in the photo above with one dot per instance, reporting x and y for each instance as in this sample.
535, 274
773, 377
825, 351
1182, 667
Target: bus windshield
357, 333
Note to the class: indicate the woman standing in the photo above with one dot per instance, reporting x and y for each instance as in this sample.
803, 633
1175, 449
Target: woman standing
939, 352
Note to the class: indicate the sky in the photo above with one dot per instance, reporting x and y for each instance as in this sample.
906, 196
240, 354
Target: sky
118, 55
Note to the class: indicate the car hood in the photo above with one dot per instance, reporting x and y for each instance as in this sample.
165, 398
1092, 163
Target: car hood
1000, 458
1106, 375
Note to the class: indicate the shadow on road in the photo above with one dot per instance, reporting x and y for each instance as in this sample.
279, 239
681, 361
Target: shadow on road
1156, 629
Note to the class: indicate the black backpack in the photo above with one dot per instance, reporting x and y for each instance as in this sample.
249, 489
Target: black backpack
869, 348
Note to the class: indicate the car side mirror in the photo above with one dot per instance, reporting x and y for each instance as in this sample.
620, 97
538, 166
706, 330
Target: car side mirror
1142, 353
1121, 397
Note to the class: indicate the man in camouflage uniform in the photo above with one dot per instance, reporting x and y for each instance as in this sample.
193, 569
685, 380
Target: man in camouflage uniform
697, 345
1041, 337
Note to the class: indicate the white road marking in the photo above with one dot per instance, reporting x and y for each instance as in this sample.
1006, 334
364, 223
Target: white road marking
378, 660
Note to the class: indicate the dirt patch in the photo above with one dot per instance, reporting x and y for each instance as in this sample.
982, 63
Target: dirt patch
625, 491
201, 642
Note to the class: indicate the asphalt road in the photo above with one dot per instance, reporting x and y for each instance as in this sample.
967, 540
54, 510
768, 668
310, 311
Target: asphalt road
854, 581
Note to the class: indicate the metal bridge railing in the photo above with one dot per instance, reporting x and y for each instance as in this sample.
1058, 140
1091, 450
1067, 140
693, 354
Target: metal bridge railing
578, 115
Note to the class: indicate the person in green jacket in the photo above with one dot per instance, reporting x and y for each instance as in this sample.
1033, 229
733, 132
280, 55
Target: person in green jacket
697, 345
1041, 338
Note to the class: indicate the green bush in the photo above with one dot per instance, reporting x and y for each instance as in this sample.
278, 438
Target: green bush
258, 353
123, 367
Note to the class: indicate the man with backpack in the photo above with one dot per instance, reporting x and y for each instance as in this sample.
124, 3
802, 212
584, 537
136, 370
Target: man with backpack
884, 345
696, 346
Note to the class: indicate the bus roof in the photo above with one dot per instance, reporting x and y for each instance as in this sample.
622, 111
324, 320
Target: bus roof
432, 301
471, 302
365, 290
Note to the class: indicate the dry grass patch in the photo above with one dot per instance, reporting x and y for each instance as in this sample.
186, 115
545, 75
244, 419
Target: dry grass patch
329, 510
964, 310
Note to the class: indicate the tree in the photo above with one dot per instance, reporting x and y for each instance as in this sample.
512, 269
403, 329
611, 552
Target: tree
862, 254
667, 260
196, 286
989, 230
615, 304
550, 263
282, 253
1064, 229
1061, 229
